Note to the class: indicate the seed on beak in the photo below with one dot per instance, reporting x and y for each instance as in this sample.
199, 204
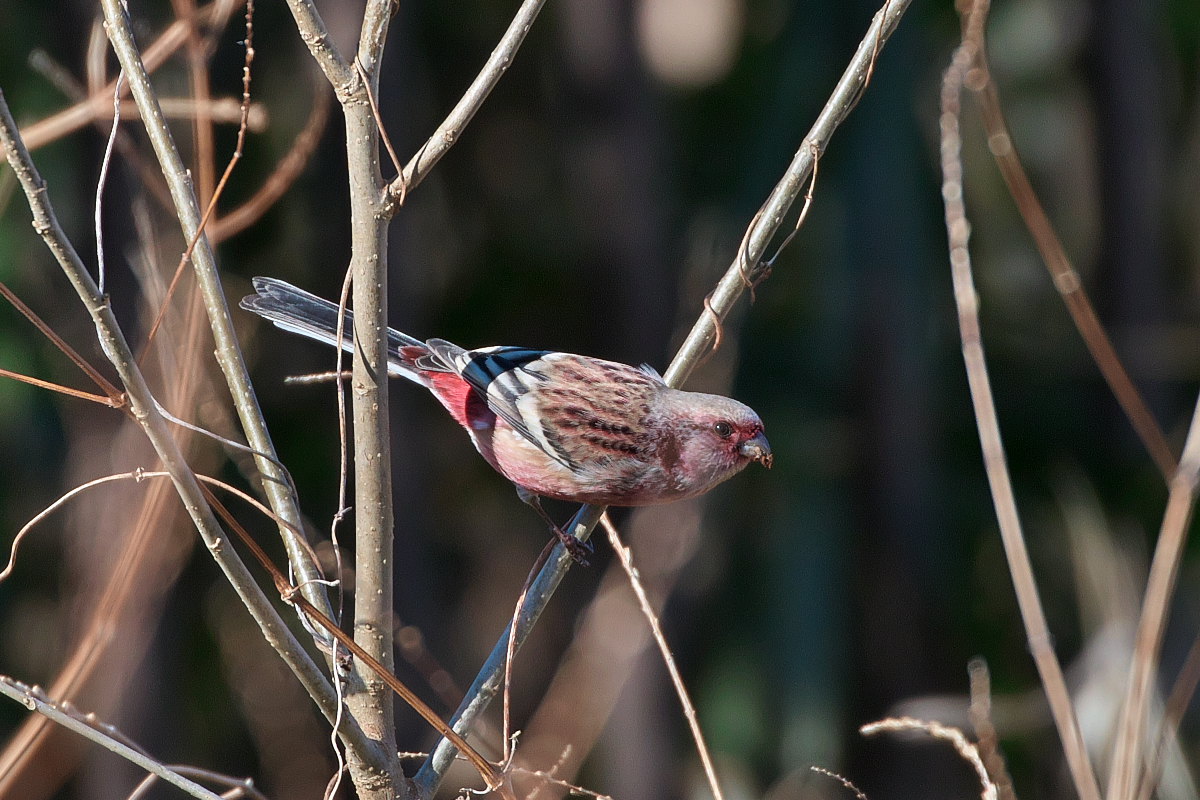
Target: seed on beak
757, 449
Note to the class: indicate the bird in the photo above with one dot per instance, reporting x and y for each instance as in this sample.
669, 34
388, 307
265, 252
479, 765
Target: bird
557, 425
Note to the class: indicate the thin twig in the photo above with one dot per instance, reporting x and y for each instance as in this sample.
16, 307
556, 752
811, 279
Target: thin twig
967, 302
105, 161
32, 698
284, 175
448, 132
214, 193
987, 742
938, 731
105, 384
1066, 279
238, 787
488, 681
689, 710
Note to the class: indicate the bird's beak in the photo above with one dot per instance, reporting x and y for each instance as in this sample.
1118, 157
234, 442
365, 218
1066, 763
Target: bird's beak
757, 449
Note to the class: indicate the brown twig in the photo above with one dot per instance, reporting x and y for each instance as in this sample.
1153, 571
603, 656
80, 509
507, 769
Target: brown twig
967, 302
283, 176
987, 742
213, 194
99, 102
1066, 279
289, 593
689, 710
114, 394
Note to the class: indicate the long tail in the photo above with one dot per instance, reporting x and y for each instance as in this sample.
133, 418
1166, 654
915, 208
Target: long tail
297, 311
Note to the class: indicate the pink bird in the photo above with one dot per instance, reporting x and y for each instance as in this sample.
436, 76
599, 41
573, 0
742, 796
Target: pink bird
555, 424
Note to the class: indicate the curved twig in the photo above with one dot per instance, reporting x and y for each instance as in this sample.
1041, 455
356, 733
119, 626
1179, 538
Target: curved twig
1036, 628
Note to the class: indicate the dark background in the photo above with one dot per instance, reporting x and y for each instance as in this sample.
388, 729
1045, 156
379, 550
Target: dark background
589, 207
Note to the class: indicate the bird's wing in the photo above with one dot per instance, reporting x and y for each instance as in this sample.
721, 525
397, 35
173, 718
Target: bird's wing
580, 411
511, 380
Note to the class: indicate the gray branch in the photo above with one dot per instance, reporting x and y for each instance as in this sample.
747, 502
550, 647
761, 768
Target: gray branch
144, 410
448, 132
276, 483
32, 698
729, 289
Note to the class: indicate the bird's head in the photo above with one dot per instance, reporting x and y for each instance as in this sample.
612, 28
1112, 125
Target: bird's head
716, 438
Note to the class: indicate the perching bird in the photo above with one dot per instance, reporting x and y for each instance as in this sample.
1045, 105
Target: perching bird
555, 424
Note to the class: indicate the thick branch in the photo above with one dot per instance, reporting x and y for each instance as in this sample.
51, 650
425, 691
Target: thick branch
373, 605
316, 37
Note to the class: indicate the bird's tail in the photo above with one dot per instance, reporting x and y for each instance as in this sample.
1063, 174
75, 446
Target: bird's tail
297, 311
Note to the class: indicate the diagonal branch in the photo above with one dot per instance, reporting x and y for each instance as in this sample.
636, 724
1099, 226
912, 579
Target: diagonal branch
1066, 279
145, 411
32, 698
229, 354
315, 36
763, 228
452, 127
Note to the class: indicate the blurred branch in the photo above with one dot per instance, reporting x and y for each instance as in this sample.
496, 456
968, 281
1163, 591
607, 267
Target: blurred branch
452, 127
689, 711
99, 103
284, 175
32, 698
762, 229
967, 301
1128, 755
228, 351
144, 410
1066, 280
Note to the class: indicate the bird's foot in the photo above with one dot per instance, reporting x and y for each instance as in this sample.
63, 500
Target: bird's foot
578, 549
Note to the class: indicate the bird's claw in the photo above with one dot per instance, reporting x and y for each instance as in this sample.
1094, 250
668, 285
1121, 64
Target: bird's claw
578, 549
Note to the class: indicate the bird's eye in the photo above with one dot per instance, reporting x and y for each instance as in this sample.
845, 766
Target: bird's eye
723, 429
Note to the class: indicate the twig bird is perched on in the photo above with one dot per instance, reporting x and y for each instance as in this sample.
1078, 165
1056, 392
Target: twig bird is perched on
558, 425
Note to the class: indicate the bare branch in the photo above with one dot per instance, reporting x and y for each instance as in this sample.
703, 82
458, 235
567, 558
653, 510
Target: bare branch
228, 351
316, 37
847, 92
1036, 628
32, 698
145, 410
452, 127
689, 710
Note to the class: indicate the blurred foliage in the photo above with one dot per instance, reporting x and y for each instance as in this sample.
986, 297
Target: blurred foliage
589, 207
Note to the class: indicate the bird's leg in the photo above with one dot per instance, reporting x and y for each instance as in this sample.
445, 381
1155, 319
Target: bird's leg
578, 550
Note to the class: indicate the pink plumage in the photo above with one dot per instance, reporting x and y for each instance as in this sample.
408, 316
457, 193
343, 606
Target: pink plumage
555, 424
